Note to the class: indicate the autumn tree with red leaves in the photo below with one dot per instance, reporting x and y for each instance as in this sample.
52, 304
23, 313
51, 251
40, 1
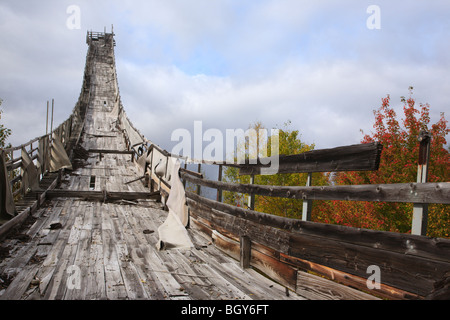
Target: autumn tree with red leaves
399, 161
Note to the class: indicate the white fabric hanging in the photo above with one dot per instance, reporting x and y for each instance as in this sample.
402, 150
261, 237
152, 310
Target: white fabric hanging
58, 158
173, 233
30, 178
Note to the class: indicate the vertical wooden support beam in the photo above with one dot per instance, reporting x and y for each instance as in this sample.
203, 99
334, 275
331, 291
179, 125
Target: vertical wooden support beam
51, 123
307, 204
184, 180
251, 198
199, 188
420, 211
219, 191
246, 249
46, 123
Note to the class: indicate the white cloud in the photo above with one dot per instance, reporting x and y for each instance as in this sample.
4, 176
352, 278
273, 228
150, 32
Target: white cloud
329, 104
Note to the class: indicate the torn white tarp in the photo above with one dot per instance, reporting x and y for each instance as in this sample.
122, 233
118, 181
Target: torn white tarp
7, 207
173, 233
58, 159
30, 177
43, 154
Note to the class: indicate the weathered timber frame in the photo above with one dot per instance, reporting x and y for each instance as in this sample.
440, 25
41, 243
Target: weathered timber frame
360, 157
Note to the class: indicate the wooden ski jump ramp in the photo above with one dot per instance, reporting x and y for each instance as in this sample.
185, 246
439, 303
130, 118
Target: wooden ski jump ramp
90, 229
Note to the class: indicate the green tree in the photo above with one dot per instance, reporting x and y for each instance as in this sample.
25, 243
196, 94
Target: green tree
289, 144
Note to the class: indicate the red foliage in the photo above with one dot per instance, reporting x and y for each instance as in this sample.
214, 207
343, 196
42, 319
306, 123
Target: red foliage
398, 165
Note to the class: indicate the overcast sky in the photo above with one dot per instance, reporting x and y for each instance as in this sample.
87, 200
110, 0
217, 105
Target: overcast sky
229, 63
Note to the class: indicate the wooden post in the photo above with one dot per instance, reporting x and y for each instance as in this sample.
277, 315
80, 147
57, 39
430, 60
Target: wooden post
251, 198
184, 180
307, 204
420, 211
246, 249
199, 188
46, 123
219, 191
51, 122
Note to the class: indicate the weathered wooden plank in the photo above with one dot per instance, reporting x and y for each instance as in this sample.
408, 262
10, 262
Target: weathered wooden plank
228, 246
406, 244
258, 232
102, 195
78, 272
261, 219
133, 283
75, 231
149, 281
260, 286
49, 265
109, 151
361, 157
225, 284
20, 284
272, 267
132, 269
275, 269
397, 270
95, 289
114, 284
317, 288
57, 286
401, 192
160, 272
20, 260
189, 274
349, 280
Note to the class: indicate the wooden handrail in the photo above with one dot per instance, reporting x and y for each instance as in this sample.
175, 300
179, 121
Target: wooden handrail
401, 192
360, 157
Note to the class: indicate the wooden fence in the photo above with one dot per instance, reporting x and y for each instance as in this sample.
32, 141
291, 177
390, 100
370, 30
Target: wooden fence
410, 265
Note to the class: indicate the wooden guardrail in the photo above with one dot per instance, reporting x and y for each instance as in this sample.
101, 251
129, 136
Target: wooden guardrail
360, 157
410, 265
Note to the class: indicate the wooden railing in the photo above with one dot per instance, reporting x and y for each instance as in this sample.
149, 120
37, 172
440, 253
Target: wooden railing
410, 265
95, 36
38, 150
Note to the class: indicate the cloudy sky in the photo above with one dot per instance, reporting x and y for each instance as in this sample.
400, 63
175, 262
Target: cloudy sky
229, 63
